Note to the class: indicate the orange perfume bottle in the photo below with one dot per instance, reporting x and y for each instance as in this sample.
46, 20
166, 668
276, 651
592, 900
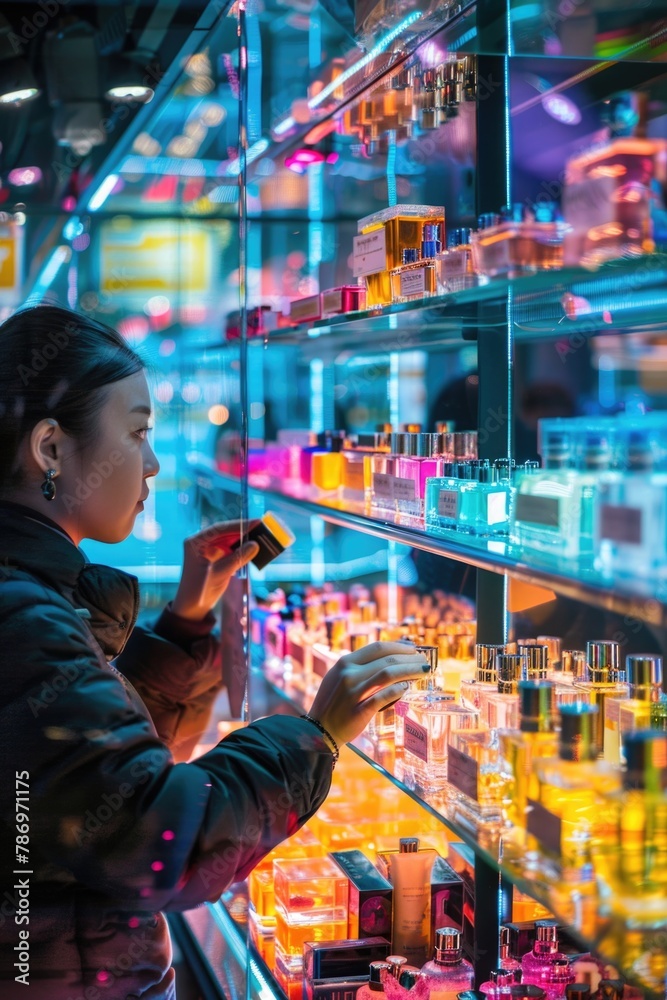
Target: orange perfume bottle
311, 903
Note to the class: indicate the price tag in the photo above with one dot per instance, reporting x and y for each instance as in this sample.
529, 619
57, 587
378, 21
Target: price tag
544, 825
383, 485
462, 773
415, 740
621, 524
404, 489
496, 508
413, 282
369, 254
448, 504
538, 510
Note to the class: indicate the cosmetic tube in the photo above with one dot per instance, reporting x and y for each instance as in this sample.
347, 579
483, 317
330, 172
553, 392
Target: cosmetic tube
411, 879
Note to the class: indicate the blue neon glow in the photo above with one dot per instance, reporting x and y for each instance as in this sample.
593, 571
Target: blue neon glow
257, 148
103, 192
466, 37
61, 255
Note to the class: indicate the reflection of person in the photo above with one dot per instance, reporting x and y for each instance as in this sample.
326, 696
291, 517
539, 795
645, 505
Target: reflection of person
115, 829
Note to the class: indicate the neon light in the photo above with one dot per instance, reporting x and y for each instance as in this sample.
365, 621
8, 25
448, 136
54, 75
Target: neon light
103, 192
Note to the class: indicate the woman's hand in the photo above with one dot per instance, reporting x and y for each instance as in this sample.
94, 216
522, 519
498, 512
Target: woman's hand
208, 566
362, 683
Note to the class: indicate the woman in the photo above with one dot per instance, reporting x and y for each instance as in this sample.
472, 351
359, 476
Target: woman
104, 824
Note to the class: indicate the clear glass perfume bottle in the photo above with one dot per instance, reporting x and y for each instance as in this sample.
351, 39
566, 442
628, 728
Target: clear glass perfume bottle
383, 474
429, 718
635, 868
604, 679
501, 708
523, 242
356, 479
569, 817
535, 738
441, 504
536, 964
455, 269
645, 706
448, 973
486, 675
631, 513
480, 788
414, 278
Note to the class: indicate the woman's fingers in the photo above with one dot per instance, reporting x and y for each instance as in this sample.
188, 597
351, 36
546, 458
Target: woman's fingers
381, 699
376, 650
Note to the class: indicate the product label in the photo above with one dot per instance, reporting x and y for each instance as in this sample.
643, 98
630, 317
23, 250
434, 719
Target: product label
303, 310
416, 739
413, 282
332, 301
369, 254
462, 773
612, 713
621, 524
538, 510
544, 825
496, 508
448, 504
404, 489
383, 485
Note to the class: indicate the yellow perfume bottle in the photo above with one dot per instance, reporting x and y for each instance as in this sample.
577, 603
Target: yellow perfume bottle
635, 866
644, 708
382, 238
604, 679
535, 738
569, 817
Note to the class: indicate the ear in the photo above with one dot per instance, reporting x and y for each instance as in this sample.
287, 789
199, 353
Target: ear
45, 445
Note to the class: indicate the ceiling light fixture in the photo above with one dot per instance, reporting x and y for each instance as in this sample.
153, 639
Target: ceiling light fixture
128, 81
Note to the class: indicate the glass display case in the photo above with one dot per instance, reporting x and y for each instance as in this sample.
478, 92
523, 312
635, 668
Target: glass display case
402, 276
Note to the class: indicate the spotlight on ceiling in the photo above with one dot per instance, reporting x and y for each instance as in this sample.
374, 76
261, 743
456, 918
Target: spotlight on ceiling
128, 79
17, 82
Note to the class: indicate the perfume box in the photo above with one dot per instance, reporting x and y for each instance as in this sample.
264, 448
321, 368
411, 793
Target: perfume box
305, 310
369, 896
327, 960
347, 298
345, 988
462, 860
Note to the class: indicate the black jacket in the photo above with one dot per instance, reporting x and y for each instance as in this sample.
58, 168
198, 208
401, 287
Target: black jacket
118, 829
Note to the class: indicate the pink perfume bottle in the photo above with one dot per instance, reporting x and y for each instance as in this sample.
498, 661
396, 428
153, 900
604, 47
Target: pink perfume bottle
506, 961
449, 972
498, 984
561, 976
536, 965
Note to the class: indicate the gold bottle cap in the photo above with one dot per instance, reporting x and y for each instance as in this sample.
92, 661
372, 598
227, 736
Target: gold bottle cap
578, 739
510, 667
537, 661
447, 945
358, 641
396, 963
646, 761
336, 632
643, 672
536, 700
485, 655
602, 657
573, 661
553, 644
465, 645
367, 610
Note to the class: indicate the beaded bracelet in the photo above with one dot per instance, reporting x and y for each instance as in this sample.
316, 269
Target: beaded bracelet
325, 732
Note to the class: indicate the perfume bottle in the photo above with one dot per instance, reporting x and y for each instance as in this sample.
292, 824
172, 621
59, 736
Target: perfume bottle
534, 739
536, 965
414, 278
419, 460
356, 480
382, 238
568, 816
604, 679
498, 984
486, 675
645, 706
561, 975
455, 270
506, 962
524, 242
635, 870
441, 502
484, 501
448, 973
481, 789
429, 718
501, 708
311, 899
573, 666
327, 652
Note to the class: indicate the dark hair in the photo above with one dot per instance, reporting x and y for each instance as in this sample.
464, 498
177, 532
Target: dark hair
55, 363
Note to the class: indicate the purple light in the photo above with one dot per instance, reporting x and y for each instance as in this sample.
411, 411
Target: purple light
562, 109
302, 158
22, 176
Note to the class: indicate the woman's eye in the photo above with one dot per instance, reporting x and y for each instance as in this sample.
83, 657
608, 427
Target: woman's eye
142, 432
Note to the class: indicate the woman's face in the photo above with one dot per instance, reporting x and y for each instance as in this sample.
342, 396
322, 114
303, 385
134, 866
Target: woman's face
100, 493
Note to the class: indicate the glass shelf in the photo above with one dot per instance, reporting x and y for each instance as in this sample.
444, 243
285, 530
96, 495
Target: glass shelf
640, 955
571, 305
639, 599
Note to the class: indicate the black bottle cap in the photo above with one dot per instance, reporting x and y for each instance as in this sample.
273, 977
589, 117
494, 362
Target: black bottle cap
643, 670
471, 995
578, 738
611, 989
536, 700
526, 991
375, 975
646, 760
577, 991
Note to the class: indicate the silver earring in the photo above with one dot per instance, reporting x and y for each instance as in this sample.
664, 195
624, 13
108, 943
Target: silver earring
48, 487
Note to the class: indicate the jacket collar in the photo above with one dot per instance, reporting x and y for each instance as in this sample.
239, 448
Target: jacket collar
108, 599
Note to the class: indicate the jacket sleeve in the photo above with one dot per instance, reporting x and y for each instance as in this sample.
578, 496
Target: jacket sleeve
107, 800
175, 666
